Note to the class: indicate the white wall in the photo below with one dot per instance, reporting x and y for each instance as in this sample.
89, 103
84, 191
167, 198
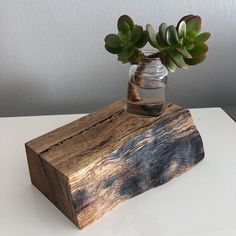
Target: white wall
52, 56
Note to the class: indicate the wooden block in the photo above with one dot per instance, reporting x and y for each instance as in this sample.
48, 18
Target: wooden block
89, 166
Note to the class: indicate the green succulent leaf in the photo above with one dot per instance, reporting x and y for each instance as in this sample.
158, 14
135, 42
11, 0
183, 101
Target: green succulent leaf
113, 50
126, 53
143, 40
194, 61
181, 28
184, 18
136, 34
201, 38
199, 51
124, 36
161, 37
183, 52
152, 36
172, 37
167, 61
124, 28
189, 45
159, 40
125, 19
113, 40
193, 25
176, 58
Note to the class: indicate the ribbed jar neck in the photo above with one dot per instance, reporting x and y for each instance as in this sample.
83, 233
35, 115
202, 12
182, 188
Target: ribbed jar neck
150, 66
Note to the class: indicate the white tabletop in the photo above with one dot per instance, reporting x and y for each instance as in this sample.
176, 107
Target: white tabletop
201, 202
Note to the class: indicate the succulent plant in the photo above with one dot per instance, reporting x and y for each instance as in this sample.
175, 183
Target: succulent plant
178, 46
127, 43
181, 45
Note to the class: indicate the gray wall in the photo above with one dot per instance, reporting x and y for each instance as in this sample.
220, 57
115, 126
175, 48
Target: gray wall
52, 57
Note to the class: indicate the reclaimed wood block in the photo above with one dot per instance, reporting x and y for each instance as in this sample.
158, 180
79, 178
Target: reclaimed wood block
89, 166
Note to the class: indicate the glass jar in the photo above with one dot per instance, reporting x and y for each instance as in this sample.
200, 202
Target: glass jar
147, 87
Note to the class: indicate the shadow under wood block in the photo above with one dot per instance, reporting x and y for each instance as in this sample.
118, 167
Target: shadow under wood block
89, 166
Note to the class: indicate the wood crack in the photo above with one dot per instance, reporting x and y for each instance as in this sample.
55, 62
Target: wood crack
106, 120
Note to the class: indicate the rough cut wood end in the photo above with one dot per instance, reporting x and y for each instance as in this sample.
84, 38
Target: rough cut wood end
89, 166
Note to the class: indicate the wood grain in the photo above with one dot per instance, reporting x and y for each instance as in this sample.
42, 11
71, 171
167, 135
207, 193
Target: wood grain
89, 166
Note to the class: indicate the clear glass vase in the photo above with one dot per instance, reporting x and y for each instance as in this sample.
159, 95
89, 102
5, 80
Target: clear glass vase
147, 87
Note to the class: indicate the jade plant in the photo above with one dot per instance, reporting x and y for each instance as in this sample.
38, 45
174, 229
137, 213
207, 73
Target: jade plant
177, 46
